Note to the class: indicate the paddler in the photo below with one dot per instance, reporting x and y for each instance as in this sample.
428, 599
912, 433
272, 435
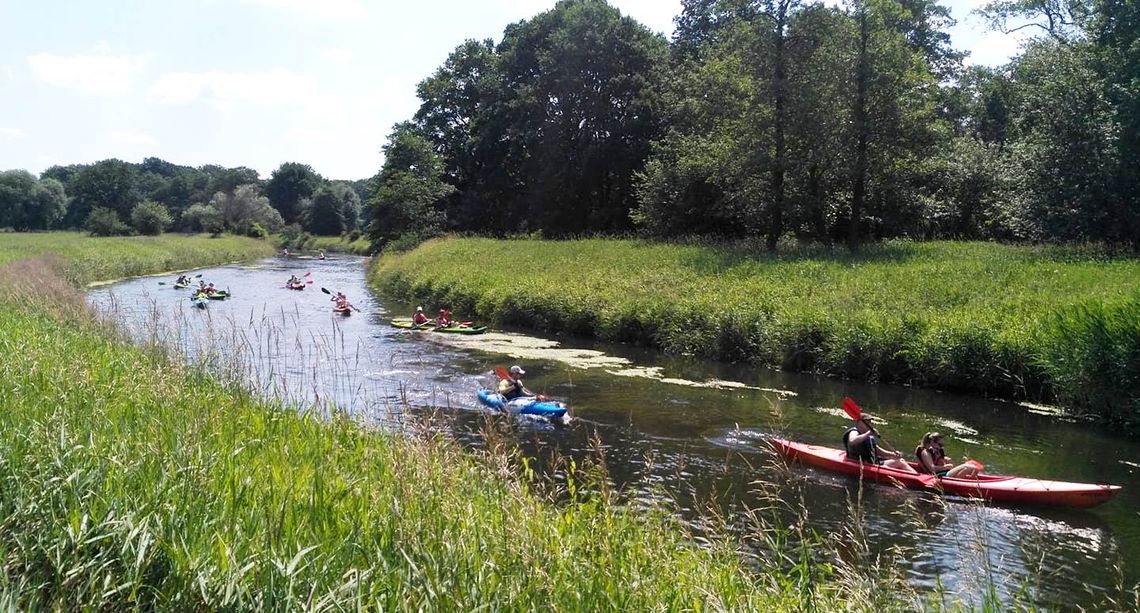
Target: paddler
512, 387
182, 280
861, 441
342, 302
444, 318
293, 280
420, 318
932, 459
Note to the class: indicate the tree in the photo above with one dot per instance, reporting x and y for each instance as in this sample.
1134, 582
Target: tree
410, 189
576, 103
30, 204
245, 207
334, 210
110, 184
105, 222
150, 218
291, 183
203, 218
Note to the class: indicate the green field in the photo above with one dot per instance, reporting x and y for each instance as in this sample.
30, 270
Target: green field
1015, 322
122, 491
83, 258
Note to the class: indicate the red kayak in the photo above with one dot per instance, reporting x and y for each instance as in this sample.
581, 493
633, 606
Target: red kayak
996, 488
296, 286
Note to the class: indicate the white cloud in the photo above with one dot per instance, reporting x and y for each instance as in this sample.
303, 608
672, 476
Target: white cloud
228, 90
995, 48
101, 74
334, 55
11, 133
336, 9
131, 138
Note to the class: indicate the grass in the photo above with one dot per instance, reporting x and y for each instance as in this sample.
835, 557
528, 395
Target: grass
83, 258
997, 320
330, 244
121, 489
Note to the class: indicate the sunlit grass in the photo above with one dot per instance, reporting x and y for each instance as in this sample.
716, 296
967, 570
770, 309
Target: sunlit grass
85, 258
960, 316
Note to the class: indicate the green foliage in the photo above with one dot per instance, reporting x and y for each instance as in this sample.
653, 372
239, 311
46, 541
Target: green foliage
409, 189
109, 184
288, 186
105, 222
334, 210
203, 218
151, 218
245, 207
256, 231
974, 317
1091, 352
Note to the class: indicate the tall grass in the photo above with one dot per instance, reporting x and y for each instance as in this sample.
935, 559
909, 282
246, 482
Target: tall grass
84, 258
973, 317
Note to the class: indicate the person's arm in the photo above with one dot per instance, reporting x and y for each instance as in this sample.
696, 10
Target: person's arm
887, 453
857, 439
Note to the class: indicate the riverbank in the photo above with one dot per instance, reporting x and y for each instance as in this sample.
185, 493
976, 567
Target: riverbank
1038, 324
123, 490
310, 244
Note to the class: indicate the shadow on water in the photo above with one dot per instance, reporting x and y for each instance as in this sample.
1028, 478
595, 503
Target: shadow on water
675, 432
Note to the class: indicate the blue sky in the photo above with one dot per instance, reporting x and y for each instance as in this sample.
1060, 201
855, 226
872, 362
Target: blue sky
255, 82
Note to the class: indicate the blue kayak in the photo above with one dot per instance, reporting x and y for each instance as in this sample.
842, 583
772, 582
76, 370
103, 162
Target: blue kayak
522, 406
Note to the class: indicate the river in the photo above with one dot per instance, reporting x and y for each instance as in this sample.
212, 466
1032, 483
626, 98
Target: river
675, 429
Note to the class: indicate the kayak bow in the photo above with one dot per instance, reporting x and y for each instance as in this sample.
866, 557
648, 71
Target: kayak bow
549, 409
995, 488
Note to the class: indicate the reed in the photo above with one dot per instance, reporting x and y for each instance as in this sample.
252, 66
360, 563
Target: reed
970, 317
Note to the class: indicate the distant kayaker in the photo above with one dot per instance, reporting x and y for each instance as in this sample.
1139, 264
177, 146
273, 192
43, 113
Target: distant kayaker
932, 459
285, 252
322, 254
183, 280
512, 387
861, 443
444, 319
293, 280
342, 302
420, 318
210, 291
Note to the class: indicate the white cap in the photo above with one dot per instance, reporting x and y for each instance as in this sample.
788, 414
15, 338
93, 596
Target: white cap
517, 370
419, 308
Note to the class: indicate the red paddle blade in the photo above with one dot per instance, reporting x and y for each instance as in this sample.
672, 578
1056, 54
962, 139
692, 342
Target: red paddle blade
853, 411
307, 274
502, 372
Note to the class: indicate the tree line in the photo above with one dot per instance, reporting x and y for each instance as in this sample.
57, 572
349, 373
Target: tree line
776, 119
112, 197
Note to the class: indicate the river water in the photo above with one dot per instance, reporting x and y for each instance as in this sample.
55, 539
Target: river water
686, 431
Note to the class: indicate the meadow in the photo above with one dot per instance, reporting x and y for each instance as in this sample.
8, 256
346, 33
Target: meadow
83, 259
1038, 323
121, 490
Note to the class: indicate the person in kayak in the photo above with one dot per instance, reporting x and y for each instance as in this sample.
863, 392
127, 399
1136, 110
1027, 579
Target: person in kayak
420, 318
512, 387
342, 303
210, 291
444, 319
322, 254
932, 459
182, 280
861, 443
293, 281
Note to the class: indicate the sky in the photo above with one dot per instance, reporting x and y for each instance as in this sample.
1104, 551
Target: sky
257, 82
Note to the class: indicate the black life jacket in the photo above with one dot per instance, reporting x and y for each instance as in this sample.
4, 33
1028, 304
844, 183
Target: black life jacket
865, 452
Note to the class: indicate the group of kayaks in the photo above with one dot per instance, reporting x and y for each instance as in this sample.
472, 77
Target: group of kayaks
995, 488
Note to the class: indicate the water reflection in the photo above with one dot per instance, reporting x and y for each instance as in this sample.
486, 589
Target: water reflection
675, 432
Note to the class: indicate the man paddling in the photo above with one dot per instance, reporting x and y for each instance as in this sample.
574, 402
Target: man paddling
512, 387
861, 443
420, 318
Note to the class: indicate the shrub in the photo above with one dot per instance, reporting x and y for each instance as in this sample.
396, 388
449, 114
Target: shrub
150, 218
256, 231
105, 222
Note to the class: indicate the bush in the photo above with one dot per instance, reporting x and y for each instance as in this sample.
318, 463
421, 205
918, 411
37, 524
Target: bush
150, 218
105, 222
203, 218
256, 231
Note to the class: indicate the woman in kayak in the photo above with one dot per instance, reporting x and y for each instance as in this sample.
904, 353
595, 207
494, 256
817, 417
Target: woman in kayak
182, 280
342, 303
512, 387
420, 318
861, 442
444, 319
932, 459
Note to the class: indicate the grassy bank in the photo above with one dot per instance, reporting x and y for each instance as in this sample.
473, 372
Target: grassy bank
83, 259
329, 244
1015, 322
121, 490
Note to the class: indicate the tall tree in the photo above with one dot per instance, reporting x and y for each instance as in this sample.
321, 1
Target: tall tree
291, 183
410, 190
109, 184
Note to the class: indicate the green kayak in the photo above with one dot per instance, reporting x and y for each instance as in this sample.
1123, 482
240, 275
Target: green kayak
406, 323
